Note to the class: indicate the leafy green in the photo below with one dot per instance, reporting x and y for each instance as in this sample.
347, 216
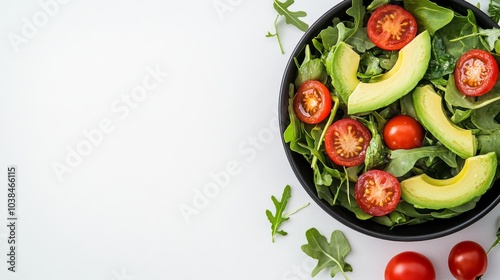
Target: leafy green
456, 98
376, 4
441, 63
494, 10
460, 26
329, 254
429, 15
291, 17
496, 241
279, 217
311, 69
402, 161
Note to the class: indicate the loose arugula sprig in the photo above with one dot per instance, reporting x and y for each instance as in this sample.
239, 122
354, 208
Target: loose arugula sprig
279, 217
496, 241
290, 18
329, 254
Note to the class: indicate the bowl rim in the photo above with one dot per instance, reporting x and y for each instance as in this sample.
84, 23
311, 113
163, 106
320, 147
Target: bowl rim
344, 216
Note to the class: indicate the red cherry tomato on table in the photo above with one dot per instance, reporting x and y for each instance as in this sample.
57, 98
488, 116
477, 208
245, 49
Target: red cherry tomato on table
377, 192
403, 132
476, 72
312, 102
346, 141
410, 266
467, 260
391, 27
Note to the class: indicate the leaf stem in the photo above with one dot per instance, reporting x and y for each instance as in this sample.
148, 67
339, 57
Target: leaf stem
277, 34
296, 210
323, 133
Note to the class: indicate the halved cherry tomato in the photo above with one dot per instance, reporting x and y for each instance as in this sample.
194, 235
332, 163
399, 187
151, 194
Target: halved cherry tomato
346, 141
467, 260
476, 72
391, 27
410, 265
403, 132
312, 102
377, 192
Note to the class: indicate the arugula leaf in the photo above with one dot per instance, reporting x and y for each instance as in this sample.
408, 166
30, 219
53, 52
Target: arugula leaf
402, 161
279, 217
329, 254
441, 63
291, 17
494, 10
496, 241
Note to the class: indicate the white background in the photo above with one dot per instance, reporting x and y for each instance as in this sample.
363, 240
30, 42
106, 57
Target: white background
208, 119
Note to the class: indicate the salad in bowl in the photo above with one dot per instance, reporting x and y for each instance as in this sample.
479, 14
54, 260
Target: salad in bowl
389, 116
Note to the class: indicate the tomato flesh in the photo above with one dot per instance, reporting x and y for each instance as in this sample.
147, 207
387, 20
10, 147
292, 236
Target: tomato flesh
403, 132
467, 260
391, 27
409, 265
312, 102
346, 141
377, 192
476, 72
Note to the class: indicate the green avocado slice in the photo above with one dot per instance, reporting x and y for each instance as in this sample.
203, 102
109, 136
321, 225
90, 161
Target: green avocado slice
412, 63
473, 180
429, 109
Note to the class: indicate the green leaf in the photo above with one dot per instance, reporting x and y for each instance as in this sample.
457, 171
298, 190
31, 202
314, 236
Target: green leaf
278, 218
494, 10
429, 15
454, 97
496, 241
329, 254
291, 17
402, 161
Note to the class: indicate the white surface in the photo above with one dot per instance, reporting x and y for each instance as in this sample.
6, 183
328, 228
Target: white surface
116, 214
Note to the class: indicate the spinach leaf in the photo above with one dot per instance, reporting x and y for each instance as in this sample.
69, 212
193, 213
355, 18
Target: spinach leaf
429, 15
329, 254
402, 161
441, 63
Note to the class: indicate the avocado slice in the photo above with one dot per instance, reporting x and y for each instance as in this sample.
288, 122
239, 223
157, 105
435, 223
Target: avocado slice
343, 69
473, 180
412, 63
429, 110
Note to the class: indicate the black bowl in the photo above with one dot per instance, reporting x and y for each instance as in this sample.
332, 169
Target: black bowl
425, 231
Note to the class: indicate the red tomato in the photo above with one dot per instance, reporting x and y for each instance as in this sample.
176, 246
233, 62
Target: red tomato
346, 141
312, 102
391, 28
377, 192
403, 132
476, 72
467, 260
410, 266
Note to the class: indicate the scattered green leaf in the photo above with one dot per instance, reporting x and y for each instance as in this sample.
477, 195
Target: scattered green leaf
291, 17
329, 254
280, 217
